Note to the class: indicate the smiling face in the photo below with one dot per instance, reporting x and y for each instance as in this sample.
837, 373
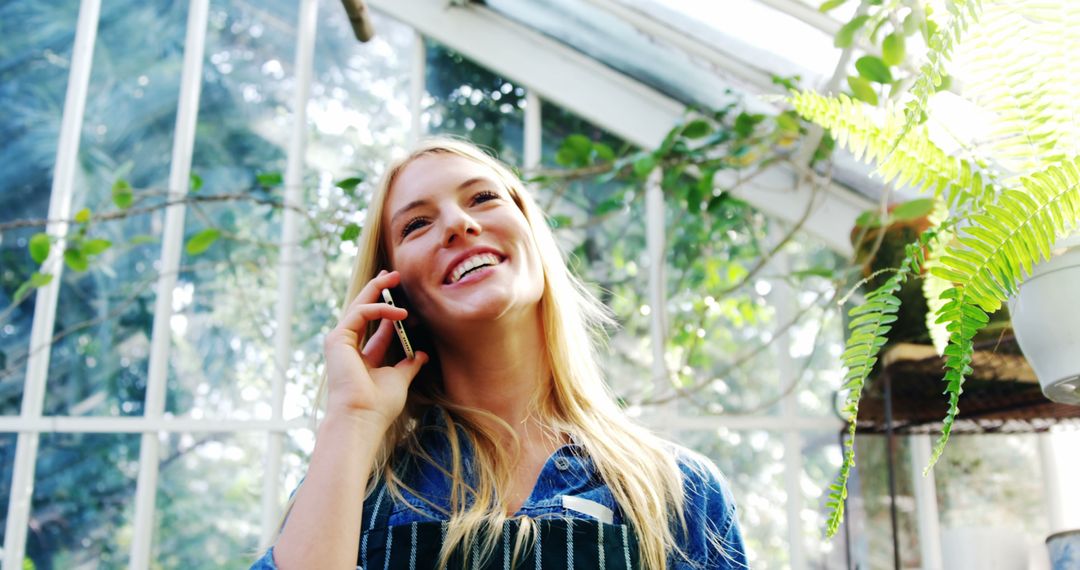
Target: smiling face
462, 245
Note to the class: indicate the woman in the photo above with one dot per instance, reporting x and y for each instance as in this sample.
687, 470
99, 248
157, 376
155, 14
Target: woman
498, 445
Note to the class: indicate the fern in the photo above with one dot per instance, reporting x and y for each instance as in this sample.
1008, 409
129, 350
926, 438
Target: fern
962, 13
1020, 67
934, 286
870, 324
1004, 242
914, 159
1010, 224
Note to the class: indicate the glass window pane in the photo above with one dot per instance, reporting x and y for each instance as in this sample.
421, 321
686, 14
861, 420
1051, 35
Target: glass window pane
597, 228
816, 339
821, 457
352, 136
83, 502
867, 514
752, 460
7, 465
208, 504
466, 99
221, 360
105, 314
35, 58
994, 483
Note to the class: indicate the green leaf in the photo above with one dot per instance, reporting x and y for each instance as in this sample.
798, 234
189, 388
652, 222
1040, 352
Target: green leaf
862, 89
39, 247
36, 280
96, 246
574, 151
351, 232
269, 179
846, 35
892, 49
82, 216
745, 123
349, 184
196, 182
122, 194
697, 129
873, 69
76, 260
830, 5
913, 209
911, 23
788, 121
814, 272
644, 165
559, 221
947, 274
869, 219
141, 239
201, 241
612, 204
603, 152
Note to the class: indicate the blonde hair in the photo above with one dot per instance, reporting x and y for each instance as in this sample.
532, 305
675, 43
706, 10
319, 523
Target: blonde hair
639, 468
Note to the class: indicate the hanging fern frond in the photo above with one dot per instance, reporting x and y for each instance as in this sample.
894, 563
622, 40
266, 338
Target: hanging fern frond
1019, 67
933, 286
870, 324
1003, 244
1009, 237
962, 14
913, 160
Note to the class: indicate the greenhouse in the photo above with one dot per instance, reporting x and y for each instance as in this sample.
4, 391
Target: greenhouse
838, 241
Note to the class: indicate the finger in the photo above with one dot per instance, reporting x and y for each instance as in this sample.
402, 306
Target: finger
411, 366
371, 293
358, 316
375, 350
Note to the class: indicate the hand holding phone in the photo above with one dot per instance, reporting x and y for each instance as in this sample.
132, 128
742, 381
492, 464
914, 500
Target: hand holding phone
400, 328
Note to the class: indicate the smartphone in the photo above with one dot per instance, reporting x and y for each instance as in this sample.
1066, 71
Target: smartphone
399, 327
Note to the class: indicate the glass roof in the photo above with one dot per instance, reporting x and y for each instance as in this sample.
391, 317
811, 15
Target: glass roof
753, 32
699, 52
613, 41
687, 49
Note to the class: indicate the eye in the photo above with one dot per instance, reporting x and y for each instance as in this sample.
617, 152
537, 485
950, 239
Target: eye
485, 196
412, 225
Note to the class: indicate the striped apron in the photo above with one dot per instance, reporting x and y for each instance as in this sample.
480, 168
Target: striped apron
562, 543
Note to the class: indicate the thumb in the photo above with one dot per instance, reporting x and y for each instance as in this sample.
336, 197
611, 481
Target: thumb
411, 366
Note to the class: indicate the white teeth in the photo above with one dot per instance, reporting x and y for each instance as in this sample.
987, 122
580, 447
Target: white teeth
471, 263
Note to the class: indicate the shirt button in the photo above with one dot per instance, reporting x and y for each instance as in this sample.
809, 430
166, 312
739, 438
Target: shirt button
562, 463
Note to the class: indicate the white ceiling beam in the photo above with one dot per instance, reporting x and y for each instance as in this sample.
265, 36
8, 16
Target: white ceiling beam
614, 102
807, 13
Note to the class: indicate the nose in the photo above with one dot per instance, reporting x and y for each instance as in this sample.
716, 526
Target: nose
458, 225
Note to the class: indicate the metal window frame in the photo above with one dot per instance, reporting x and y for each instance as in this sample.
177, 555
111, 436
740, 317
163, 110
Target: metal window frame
307, 27
45, 303
172, 238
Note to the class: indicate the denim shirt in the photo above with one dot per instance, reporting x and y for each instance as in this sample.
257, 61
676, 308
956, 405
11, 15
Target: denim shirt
712, 541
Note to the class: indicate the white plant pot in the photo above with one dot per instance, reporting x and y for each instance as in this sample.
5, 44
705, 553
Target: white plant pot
1046, 321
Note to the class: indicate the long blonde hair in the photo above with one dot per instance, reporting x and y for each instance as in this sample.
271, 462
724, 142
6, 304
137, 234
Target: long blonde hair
639, 468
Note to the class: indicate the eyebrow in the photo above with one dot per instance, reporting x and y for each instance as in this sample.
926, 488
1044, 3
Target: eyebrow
422, 202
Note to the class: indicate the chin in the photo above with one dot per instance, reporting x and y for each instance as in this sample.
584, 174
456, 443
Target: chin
491, 304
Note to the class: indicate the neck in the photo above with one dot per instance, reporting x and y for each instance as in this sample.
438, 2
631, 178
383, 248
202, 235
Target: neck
498, 366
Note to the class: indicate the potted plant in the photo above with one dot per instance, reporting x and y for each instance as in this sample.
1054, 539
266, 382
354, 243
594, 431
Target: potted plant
1005, 195
1045, 314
